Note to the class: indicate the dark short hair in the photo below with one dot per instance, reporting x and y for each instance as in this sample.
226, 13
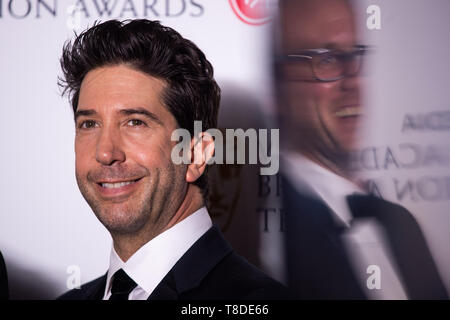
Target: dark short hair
191, 92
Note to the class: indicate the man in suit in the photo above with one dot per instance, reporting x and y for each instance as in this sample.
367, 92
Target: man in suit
340, 242
4, 293
132, 84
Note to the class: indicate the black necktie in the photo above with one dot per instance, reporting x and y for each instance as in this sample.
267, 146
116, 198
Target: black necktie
408, 244
122, 285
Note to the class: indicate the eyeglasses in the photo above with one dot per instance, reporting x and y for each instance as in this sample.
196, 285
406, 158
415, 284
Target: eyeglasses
325, 64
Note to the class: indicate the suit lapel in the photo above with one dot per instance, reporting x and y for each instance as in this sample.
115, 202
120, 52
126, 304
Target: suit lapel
193, 266
313, 242
97, 289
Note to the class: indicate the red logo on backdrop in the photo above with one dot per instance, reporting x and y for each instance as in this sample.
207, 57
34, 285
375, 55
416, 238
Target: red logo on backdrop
253, 12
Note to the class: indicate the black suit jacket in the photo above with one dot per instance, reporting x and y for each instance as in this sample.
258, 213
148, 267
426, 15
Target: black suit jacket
318, 266
4, 295
209, 270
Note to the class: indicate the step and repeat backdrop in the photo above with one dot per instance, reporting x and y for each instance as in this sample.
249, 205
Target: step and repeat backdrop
49, 236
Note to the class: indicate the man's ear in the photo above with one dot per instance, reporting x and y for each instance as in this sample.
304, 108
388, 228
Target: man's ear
202, 149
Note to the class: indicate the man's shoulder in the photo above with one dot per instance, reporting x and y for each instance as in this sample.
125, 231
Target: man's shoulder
86, 291
243, 277
211, 269
235, 278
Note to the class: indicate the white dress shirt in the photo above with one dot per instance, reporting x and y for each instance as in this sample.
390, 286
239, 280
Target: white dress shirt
364, 239
150, 264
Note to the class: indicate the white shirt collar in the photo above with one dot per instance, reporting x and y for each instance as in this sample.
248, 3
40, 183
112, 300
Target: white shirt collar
316, 181
150, 264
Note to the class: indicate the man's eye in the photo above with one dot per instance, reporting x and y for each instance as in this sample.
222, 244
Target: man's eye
87, 124
135, 122
329, 60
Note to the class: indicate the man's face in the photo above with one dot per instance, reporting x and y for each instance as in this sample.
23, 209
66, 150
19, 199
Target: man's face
323, 116
122, 146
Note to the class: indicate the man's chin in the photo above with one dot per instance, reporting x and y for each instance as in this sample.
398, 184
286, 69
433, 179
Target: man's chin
121, 222
347, 137
347, 146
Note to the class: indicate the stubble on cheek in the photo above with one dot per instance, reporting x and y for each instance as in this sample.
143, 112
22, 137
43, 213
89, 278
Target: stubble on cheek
125, 216
152, 206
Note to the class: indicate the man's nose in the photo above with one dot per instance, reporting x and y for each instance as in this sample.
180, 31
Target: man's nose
109, 147
351, 82
352, 77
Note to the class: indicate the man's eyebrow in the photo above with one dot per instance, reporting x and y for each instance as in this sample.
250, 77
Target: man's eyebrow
336, 46
325, 45
143, 112
330, 45
87, 113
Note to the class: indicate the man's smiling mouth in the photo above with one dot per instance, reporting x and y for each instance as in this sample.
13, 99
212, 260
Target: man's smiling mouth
117, 184
350, 111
